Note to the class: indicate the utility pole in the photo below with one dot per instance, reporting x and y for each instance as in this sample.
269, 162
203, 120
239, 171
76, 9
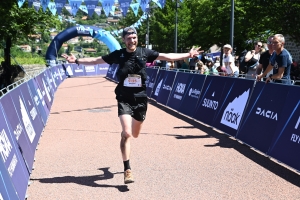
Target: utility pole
232, 24
176, 22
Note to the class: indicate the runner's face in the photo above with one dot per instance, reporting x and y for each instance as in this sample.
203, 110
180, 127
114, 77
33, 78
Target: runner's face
130, 41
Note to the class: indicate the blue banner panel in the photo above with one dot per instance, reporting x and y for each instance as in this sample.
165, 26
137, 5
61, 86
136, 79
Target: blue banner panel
179, 90
102, 69
191, 98
166, 87
285, 144
109, 71
158, 84
62, 72
56, 75
11, 156
7, 190
210, 98
51, 80
45, 90
38, 100
112, 70
23, 137
90, 70
262, 115
233, 105
68, 69
78, 70
26, 109
151, 77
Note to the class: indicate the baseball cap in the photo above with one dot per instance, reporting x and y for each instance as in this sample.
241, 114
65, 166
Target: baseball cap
129, 30
227, 46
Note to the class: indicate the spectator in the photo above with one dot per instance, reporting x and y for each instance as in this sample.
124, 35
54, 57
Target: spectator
265, 58
228, 62
252, 57
280, 62
211, 67
202, 68
193, 62
183, 64
217, 62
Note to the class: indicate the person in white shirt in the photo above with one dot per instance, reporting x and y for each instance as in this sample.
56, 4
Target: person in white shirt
228, 62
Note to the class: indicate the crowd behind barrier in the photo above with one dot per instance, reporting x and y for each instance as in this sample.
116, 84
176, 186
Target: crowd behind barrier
24, 109
264, 116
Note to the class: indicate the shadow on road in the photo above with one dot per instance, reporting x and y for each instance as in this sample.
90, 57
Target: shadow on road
87, 180
224, 141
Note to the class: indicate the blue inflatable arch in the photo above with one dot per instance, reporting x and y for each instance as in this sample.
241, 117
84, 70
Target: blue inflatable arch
80, 30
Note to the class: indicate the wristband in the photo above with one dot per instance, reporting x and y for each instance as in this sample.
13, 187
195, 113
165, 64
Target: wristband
76, 61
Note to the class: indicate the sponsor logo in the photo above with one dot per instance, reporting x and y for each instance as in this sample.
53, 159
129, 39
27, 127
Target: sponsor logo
296, 138
194, 93
59, 5
89, 69
158, 87
18, 131
26, 121
208, 103
90, 6
266, 113
122, 55
83, 30
12, 166
167, 87
234, 111
180, 88
5, 145
78, 70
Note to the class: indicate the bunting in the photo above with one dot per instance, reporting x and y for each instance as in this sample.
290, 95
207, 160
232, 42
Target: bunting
68, 8
143, 4
162, 3
83, 8
36, 5
107, 4
20, 3
52, 8
59, 5
135, 8
75, 4
91, 6
98, 10
112, 11
30, 2
124, 4
45, 4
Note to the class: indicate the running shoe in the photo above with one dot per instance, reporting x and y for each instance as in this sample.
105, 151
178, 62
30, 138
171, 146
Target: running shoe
128, 178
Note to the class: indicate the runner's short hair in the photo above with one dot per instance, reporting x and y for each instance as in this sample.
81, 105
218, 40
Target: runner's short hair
129, 30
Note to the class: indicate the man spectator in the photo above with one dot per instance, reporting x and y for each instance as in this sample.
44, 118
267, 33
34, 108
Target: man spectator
265, 58
193, 62
280, 62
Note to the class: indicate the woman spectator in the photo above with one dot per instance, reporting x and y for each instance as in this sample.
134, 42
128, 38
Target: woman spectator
252, 57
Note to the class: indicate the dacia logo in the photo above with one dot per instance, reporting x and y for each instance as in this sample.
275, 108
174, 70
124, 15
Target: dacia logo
180, 88
266, 113
122, 56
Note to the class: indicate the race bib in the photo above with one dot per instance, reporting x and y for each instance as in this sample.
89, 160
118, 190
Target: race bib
133, 80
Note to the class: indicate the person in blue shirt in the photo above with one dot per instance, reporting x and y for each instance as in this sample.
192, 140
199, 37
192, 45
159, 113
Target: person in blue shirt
280, 62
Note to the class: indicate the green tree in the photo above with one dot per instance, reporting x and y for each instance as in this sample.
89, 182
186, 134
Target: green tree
18, 23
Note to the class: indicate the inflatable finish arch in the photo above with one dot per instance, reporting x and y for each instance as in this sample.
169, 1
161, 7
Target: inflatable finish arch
79, 30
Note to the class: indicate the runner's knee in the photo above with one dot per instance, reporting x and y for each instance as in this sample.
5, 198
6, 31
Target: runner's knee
126, 134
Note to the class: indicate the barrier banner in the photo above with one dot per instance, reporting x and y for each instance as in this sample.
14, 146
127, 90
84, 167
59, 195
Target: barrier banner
109, 72
51, 80
179, 90
102, 69
48, 84
23, 136
166, 87
114, 75
68, 69
232, 105
26, 109
45, 91
11, 157
90, 70
78, 70
38, 100
151, 77
62, 72
285, 144
56, 75
158, 84
7, 190
262, 115
210, 99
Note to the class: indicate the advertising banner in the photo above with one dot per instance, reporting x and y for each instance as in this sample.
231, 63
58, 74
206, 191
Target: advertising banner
102, 69
78, 70
51, 81
68, 68
112, 70
179, 90
114, 75
56, 75
27, 112
17, 128
12, 158
151, 77
210, 99
191, 98
285, 144
7, 190
62, 72
90, 70
166, 87
262, 115
158, 84
38, 100
44, 89
234, 100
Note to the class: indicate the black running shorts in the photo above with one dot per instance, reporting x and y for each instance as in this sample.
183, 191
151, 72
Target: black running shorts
136, 107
